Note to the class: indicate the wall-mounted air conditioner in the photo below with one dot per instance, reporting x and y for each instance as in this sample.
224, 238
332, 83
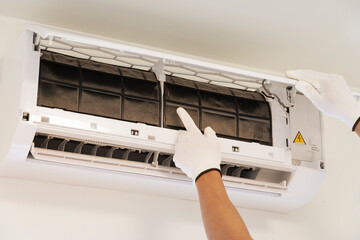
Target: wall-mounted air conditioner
86, 111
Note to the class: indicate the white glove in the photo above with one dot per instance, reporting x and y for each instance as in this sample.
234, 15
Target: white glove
195, 153
329, 93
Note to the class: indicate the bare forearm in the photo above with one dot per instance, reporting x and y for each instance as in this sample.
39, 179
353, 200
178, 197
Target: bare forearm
220, 217
357, 129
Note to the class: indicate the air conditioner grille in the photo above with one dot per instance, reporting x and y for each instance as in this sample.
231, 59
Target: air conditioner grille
145, 159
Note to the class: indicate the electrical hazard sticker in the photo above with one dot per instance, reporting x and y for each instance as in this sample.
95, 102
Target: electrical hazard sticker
299, 138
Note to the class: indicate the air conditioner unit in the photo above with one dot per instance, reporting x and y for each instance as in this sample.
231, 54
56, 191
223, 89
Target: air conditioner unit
83, 110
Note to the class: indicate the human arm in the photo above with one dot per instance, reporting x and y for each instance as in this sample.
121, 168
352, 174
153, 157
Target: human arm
196, 154
357, 129
220, 217
330, 94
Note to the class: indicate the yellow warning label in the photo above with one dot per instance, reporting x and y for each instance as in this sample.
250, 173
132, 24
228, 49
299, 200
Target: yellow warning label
299, 138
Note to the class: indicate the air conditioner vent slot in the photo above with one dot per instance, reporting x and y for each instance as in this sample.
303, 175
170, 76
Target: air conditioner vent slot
123, 156
70, 146
116, 152
255, 173
238, 171
166, 160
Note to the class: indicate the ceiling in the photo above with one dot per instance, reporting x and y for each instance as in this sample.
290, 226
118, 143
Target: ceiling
270, 35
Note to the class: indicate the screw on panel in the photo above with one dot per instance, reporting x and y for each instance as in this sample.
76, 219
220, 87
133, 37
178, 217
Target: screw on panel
134, 132
26, 116
235, 149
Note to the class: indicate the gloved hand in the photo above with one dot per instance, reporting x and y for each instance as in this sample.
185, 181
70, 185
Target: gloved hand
329, 93
195, 153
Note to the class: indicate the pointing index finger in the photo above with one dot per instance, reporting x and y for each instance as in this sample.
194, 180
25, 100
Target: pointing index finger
187, 120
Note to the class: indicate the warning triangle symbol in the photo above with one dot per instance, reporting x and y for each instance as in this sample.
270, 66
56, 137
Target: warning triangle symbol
299, 138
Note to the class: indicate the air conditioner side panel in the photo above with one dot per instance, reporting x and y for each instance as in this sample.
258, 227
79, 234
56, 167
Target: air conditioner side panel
10, 94
20, 68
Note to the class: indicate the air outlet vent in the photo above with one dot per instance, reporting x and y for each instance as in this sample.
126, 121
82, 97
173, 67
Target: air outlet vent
80, 152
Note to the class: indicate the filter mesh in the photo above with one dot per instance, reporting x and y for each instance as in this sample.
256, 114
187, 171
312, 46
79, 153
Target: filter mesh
136, 61
100, 89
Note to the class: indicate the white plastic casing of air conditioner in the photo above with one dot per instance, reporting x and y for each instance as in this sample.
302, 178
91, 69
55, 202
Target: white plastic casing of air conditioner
290, 173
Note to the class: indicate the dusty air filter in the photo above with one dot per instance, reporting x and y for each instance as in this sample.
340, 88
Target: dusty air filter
129, 94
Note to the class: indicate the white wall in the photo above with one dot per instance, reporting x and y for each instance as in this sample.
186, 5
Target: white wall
39, 211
